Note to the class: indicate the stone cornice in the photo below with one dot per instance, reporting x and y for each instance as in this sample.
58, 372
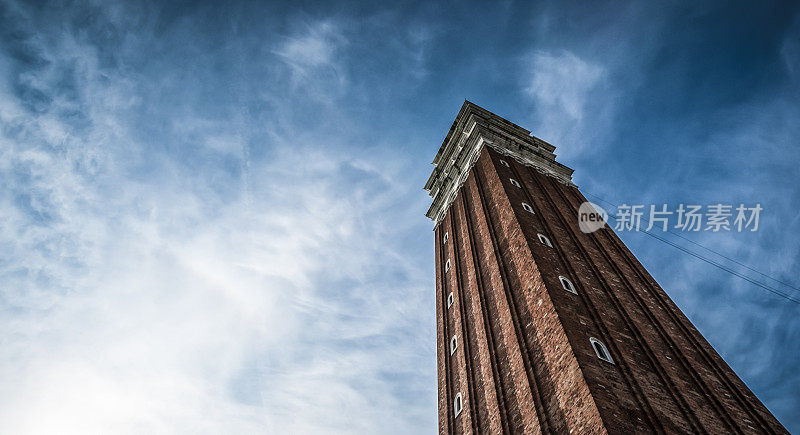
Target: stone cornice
474, 128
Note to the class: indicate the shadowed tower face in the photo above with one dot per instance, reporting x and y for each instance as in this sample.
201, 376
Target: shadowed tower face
543, 328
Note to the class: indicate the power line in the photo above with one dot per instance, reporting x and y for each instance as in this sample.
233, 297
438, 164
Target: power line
734, 261
731, 271
720, 266
676, 234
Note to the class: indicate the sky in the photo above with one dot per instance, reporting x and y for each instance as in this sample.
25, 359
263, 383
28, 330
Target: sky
212, 217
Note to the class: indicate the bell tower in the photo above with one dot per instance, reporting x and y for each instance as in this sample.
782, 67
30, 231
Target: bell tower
542, 328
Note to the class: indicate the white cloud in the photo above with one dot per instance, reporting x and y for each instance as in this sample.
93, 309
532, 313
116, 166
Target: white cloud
790, 49
562, 83
312, 53
151, 291
313, 48
562, 87
168, 306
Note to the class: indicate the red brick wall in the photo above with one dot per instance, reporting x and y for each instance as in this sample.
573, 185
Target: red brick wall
524, 362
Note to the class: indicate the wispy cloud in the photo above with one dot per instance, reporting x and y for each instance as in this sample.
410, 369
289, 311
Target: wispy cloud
206, 288
562, 86
561, 83
313, 48
790, 50
311, 52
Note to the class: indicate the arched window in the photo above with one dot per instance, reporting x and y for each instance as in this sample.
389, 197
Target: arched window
450, 300
600, 350
545, 240
527, 207
445, 237
505, 163
458, 404
514, 182
447, 266
453, 345
567, 284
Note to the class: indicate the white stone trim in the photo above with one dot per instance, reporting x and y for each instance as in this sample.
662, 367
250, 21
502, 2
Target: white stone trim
464, 173
460, 151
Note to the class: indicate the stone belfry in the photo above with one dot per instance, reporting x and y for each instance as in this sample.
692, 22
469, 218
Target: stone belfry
543, 328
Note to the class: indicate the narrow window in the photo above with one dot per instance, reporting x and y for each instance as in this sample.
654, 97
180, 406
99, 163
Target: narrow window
567, 284
458, 405
450, 300
445, 237
453, 345
545, 240
600, 350
527, 207
514, 182
447, 266
505, 163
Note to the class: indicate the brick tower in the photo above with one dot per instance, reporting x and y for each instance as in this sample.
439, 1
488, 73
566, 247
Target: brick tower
543, 328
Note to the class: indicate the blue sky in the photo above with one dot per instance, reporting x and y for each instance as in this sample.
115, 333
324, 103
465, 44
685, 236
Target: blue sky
212, 216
